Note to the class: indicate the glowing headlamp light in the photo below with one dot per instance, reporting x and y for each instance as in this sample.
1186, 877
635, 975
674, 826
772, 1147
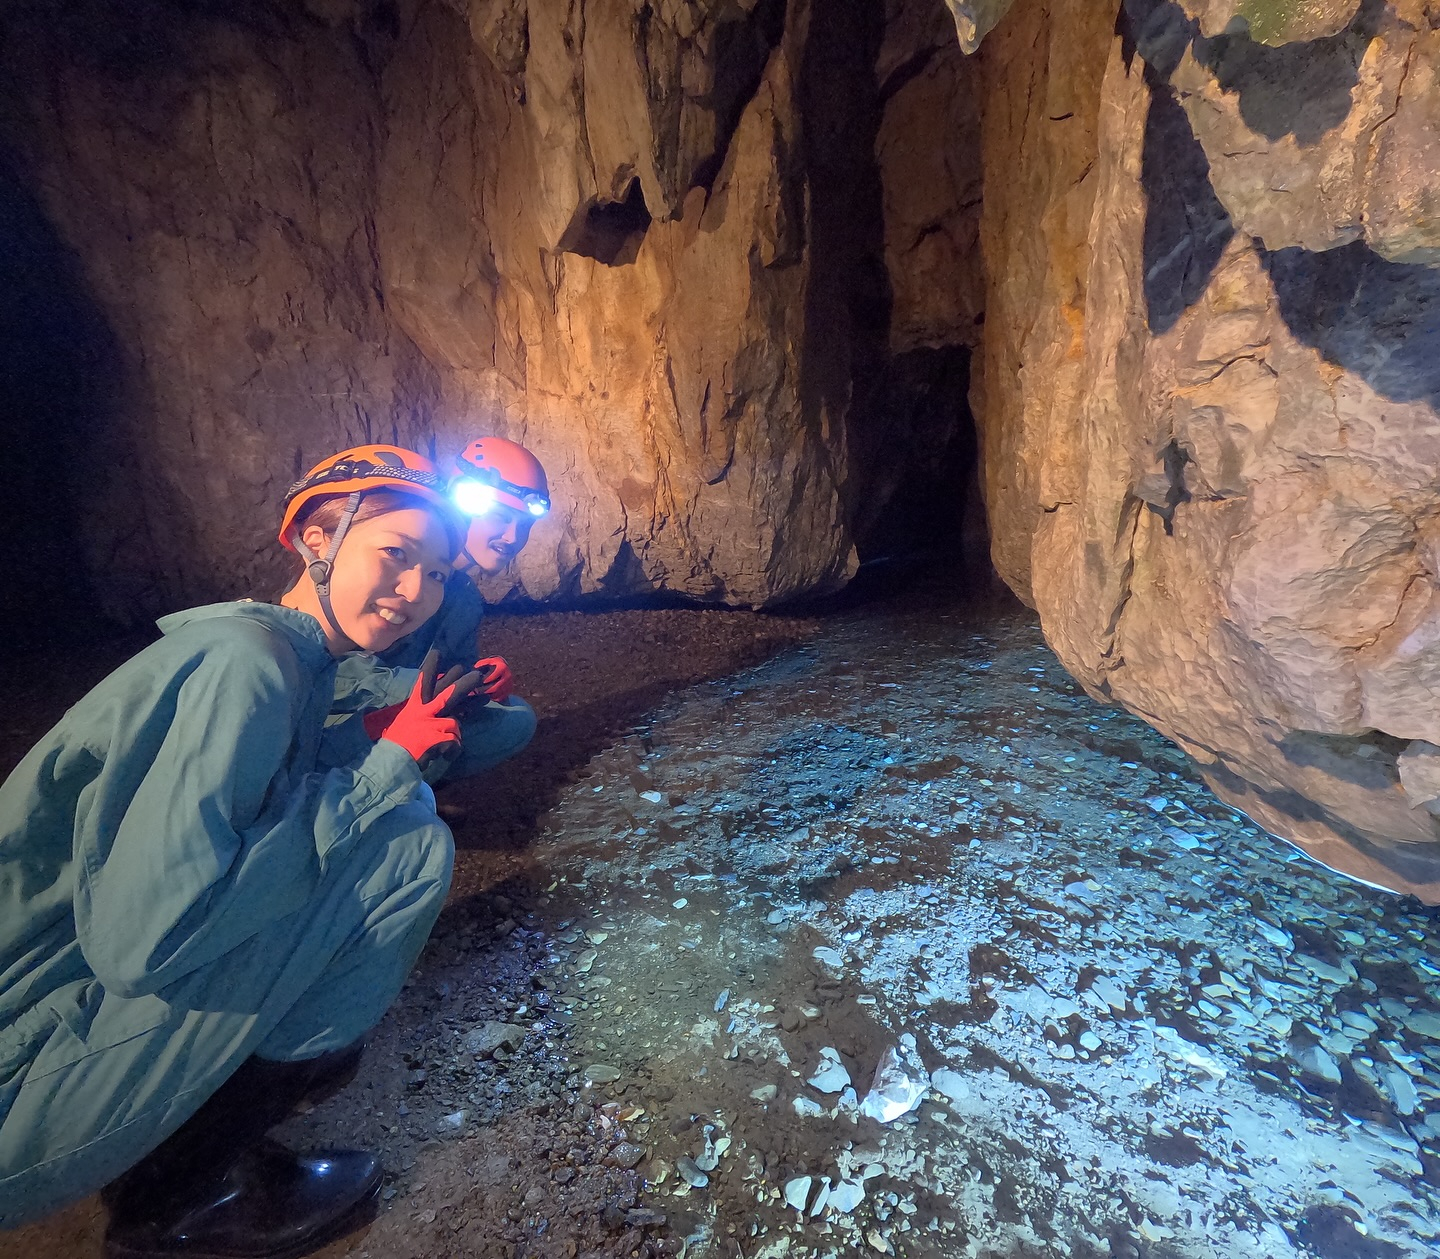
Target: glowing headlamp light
479, 493
472, 497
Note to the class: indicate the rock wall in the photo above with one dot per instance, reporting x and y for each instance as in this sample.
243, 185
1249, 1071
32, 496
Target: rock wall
1209, 389
700, 255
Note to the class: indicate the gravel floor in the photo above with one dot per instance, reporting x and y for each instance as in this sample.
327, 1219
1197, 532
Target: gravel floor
749, 859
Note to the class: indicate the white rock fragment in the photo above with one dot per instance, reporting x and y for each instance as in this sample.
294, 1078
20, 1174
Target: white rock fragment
900, 1083
654, 797
950, 1084
846, 1196
1173, 1043
829, 957
807, 1108
765, 1093
831, 1076
1110, 993
1181, 839
1277, 936
721, 1000
797, 1192
1318, 1062
1402, 1092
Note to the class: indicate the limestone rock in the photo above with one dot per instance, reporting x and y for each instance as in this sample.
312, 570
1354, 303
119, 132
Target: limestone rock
643, 238
1318, 131
974, 19
1276, 23
1210, 458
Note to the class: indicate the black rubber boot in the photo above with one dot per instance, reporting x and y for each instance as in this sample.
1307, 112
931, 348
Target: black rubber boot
217, 1189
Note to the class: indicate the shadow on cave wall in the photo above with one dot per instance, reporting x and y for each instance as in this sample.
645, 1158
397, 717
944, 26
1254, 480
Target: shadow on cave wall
1186, 227
1301, 88
1376, 318
61, 378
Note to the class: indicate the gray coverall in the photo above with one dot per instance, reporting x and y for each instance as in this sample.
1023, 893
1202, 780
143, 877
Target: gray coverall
189, 876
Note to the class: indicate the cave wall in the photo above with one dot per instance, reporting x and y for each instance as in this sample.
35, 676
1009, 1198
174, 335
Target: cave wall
693, 253
1209, 387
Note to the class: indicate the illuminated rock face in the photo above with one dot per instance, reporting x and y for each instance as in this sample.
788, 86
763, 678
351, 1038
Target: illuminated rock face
690, 253
1208, 400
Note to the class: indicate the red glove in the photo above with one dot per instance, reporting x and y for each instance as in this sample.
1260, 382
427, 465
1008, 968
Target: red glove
422, 726
498, 684
378, 720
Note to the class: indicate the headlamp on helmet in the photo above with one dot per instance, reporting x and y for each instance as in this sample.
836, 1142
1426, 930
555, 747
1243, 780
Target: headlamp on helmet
478, 491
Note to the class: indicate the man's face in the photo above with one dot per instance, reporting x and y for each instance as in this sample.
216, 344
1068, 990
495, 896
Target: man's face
497, 537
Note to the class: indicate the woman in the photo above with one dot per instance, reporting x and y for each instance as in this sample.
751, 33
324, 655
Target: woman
206, 898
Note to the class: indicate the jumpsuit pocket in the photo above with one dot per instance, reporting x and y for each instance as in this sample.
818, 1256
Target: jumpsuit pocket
20, 1044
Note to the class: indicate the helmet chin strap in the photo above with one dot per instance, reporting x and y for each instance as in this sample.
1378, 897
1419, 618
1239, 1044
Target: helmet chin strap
322, 569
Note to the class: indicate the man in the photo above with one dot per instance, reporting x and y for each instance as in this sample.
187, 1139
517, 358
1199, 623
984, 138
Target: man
502, 488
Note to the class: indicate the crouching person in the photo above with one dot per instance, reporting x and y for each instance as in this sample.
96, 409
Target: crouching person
500, 489
207, 898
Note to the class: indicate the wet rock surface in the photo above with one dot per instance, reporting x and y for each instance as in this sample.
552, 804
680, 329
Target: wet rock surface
1135, 1024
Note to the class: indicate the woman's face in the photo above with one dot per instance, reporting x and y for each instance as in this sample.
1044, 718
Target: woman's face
389, 576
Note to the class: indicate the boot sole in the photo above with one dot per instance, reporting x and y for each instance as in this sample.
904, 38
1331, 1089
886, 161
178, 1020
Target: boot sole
361, 1213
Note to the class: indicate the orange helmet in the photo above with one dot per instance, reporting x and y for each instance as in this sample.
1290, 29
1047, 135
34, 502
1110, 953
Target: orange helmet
352, 473
492, 470
363, 468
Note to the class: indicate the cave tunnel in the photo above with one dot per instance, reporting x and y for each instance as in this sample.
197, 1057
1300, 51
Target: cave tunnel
962, 522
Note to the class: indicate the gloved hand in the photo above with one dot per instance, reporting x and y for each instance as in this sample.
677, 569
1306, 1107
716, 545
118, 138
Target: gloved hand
425, 725
378, 720
498, 683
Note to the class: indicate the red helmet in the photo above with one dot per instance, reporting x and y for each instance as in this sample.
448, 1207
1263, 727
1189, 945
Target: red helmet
492, 470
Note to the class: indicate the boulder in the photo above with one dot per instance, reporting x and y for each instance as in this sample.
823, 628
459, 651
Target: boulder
1208, 404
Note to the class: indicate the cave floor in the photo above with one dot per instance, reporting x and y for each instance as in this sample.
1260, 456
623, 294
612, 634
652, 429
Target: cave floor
750, 852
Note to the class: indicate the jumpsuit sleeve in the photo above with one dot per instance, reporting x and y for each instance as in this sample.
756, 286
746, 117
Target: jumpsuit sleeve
363, 683
200, 831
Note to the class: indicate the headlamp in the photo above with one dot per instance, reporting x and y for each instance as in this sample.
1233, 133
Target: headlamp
472, 497
478, 492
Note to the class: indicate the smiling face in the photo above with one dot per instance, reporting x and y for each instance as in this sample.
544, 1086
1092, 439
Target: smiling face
497, 537
388, 579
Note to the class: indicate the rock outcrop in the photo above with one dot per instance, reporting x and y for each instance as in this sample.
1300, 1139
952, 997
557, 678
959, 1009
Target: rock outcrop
1209, 392
702, 256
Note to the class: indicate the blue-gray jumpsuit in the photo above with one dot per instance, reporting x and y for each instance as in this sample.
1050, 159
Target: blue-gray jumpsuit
189, 876
489, 734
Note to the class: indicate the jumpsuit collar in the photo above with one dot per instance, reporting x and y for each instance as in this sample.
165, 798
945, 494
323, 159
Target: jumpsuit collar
301, 629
